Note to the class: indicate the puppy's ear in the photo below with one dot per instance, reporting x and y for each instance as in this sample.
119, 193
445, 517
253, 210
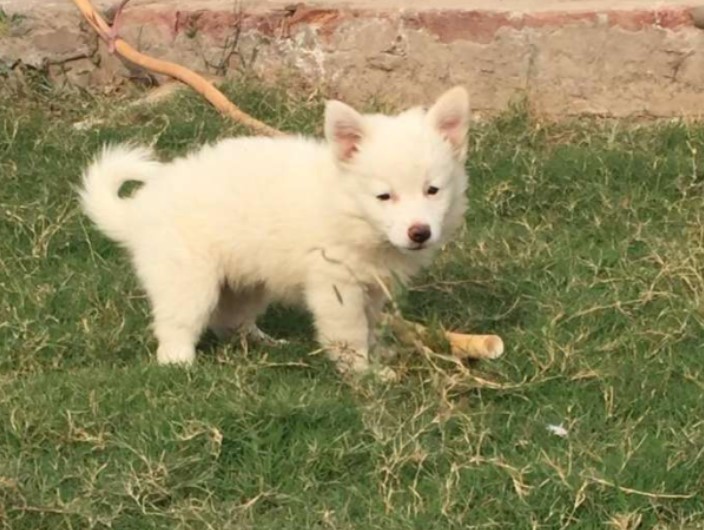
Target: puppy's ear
344, 129
450, 117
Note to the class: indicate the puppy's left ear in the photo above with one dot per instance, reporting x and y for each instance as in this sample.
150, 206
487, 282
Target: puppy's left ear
450, 117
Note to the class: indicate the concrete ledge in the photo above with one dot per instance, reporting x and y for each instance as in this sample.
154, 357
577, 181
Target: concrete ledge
569, 57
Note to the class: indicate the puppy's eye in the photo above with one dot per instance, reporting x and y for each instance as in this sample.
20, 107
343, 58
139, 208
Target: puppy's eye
432, 190
384, 196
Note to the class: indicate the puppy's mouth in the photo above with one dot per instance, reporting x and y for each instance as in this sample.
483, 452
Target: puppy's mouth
410, 247
416, 247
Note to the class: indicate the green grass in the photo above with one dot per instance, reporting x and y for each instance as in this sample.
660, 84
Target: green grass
584, 249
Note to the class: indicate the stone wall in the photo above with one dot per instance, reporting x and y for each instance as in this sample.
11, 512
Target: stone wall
591, 57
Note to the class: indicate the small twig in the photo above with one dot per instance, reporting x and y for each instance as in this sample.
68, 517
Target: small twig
642, 493
41, 509
115, 27
291, 364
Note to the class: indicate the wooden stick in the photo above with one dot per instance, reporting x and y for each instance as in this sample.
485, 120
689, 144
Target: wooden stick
467, 346
463, 345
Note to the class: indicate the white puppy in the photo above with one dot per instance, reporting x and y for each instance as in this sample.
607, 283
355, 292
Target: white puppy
219, 234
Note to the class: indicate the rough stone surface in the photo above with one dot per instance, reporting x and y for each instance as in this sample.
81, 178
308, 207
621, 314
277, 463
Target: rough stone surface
38, 42
569, 57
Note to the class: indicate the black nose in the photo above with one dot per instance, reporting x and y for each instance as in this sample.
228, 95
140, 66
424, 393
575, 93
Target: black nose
419, 233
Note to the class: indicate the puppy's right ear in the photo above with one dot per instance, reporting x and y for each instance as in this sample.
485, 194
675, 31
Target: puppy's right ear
450, 117
344, 129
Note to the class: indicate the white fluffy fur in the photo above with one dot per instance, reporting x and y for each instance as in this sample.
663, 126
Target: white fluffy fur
217, 235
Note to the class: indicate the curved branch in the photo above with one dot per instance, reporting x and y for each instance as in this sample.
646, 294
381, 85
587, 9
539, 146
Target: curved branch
190, 78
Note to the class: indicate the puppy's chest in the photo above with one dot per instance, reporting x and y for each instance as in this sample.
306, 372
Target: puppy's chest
388, 267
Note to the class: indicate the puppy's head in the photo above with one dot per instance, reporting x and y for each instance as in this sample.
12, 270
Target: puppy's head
405, 172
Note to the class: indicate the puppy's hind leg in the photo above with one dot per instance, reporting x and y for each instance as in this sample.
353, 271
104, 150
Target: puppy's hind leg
183, 293
237, 311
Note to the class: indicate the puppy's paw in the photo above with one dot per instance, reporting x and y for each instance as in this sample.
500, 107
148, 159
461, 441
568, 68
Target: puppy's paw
386, 353
256, 335
183, 355
384, 374
364, 369
351, 363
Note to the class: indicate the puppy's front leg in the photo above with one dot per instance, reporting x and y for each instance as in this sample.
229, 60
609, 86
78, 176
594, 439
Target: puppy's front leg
341, 322
376, 300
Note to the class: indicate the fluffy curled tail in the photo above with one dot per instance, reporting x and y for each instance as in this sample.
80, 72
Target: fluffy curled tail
102, 180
